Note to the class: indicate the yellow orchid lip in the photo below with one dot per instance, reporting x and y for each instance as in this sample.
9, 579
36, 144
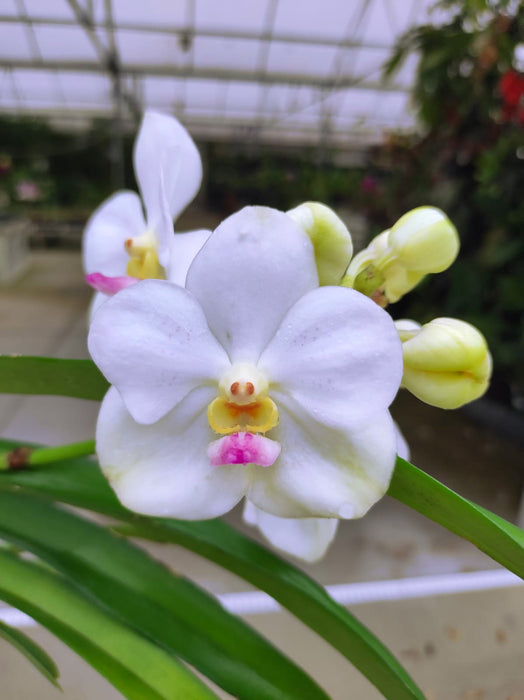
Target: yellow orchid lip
143, 257
226, 417
242, 404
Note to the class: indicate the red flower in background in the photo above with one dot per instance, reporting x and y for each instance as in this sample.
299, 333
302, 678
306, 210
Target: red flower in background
511, 87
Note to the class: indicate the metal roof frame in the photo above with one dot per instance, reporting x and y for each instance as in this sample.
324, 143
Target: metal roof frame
305, 83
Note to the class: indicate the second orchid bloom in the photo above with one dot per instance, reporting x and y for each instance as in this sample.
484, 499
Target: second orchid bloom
122, 246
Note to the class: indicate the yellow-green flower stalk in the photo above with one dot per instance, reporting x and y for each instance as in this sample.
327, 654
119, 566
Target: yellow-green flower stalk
331, 240
422, 241
446, 362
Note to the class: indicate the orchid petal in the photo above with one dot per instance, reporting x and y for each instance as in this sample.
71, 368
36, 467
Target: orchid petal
109, 285
403, 450
152, 342
160, 221
253, 268
163, 146
117, 219
163, 469
96, 302
305, 538
326, 472
337, 355
185, 248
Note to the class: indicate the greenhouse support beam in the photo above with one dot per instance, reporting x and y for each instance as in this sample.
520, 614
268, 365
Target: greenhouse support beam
181, 30
343, 137
109, 58
169, 71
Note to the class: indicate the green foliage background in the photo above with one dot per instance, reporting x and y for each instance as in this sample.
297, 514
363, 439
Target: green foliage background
469, 162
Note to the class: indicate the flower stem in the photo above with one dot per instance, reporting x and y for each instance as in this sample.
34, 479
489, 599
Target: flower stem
22, 457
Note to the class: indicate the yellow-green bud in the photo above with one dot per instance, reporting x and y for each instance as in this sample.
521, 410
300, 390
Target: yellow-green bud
363, 273
331, 239
377, 273
446, 362
424, 240
398, 281
406, 329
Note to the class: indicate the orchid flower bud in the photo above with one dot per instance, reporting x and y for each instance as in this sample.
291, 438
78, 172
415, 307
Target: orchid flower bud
399, 281
377, 273
446, 362
363, 273
331, 240
424, 240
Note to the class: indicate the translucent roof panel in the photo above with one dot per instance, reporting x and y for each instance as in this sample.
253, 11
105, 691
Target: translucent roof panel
167, 94
225, 53
138, 48
230, 15
83, 91
31, 88
300, 59
327, 19
59, 43
274, 70
150, 12
37, 9
14, 43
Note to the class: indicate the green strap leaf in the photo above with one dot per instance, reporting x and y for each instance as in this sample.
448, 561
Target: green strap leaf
169, 609
36, 655
80, 483
139, 669
502, 541
46, 375
294, 590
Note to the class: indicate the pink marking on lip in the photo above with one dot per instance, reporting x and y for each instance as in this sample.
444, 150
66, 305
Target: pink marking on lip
243, 448
109, 285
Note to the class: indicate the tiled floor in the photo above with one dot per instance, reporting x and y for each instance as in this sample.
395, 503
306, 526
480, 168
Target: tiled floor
458, 647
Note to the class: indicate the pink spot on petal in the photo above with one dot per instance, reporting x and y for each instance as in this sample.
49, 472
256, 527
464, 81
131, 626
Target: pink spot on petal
109, 285
243, 448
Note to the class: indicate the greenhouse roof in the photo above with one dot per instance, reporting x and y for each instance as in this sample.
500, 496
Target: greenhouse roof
280, 71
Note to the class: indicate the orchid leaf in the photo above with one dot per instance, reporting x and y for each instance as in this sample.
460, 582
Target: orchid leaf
168, 609
80, 483
35, 654
501, 540
139, 669
47, 375
293, 589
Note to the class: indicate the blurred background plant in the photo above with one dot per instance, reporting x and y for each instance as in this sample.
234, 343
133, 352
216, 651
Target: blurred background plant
469, 93
60, 174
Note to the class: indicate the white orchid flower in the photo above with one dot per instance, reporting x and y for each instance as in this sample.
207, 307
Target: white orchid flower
252, 346
120, 245
304, 538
